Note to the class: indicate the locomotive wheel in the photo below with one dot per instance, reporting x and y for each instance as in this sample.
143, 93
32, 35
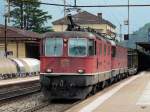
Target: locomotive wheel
102, 85
94, 89
126, 75
89, 94
112, 80
1, 76
118, 77
121, 76
45, 92
99, 85
109, 82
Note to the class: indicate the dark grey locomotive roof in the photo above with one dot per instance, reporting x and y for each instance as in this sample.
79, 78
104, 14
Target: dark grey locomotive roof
69, 34
79, 34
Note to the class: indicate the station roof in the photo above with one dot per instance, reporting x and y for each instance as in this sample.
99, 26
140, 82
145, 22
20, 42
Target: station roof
18, 34
145, 45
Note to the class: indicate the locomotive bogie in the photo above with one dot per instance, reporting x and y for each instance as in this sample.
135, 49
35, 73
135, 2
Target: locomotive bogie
75, 87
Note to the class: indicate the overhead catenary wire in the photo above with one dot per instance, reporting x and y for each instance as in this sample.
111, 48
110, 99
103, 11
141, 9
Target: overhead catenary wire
142, 5
62, 5
128, 17
44, 3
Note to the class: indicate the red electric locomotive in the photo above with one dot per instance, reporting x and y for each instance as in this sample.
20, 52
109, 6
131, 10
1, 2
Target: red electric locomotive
76, 63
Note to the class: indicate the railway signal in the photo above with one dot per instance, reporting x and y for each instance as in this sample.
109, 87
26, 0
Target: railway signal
126, 37
149, 34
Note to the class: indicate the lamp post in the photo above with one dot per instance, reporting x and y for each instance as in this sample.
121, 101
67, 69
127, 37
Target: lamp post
5, 36
75, 3
6, 16
7, 9
128, 18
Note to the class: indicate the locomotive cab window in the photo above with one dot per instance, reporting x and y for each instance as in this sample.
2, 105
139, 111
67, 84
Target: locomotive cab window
54, 47
77, 47
113, 51
91, 47
108, 50
105, 50
100, 49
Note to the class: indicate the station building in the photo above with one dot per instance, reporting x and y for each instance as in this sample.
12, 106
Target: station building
20, 43
86, 19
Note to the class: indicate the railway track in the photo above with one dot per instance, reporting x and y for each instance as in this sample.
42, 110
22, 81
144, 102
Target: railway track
36, 103
52, 107
58, 106
26, 97
16, 90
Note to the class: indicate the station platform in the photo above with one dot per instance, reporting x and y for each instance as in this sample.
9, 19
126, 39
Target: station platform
18, 80
129, 95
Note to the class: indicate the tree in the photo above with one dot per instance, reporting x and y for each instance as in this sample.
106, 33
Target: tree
26, 14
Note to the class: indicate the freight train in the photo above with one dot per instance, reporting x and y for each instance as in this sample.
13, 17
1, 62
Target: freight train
18, 67
138, 59
77, 62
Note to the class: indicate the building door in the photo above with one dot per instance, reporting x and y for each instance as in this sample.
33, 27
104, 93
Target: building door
32, 50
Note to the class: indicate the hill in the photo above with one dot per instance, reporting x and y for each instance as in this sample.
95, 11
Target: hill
138, 36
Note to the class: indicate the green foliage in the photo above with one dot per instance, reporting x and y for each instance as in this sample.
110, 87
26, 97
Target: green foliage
27, 14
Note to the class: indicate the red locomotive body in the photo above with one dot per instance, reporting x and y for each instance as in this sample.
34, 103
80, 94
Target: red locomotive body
75, 63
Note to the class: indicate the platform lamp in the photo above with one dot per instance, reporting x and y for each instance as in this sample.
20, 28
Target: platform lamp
5, 35
6, 16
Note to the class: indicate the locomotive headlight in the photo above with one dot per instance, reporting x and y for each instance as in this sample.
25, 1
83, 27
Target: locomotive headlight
81, 71
49, 70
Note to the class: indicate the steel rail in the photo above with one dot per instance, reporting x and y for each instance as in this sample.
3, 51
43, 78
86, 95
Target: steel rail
18, 92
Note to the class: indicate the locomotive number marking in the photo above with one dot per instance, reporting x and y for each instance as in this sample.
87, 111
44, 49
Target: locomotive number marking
65, 63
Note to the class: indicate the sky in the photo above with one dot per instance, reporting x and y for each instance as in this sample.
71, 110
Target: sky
138, 15
1, 11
